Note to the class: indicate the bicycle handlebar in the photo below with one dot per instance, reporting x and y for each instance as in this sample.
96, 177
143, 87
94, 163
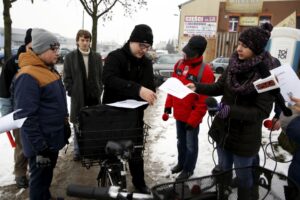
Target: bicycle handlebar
105, 193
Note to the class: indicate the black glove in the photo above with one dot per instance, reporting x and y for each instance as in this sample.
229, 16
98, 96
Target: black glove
188, 127
168, 110
43, 158
67, 131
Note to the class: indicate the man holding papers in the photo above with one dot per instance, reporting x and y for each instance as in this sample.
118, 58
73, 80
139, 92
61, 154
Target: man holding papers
128, 74
189, 110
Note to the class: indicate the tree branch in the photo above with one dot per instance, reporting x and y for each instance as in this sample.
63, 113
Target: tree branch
86, 7
108, 9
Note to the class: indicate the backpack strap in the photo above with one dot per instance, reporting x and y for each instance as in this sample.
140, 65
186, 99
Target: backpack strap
200, 73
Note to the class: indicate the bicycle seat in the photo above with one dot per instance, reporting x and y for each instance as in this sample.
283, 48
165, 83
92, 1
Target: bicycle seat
123, 148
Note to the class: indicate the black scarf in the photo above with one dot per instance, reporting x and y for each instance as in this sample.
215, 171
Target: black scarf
242, 73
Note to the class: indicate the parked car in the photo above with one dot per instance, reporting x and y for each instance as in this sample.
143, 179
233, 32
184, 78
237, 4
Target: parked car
164, 66
62, 53
219, 64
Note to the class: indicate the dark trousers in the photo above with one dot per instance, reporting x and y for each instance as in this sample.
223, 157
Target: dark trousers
41, 178
187, 146
21, 161
136, 167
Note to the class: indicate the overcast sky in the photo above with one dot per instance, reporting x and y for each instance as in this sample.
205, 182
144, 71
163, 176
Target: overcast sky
65, 17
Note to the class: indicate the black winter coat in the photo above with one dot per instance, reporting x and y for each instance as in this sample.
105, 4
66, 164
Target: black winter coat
124, 74
241, 131
77, 87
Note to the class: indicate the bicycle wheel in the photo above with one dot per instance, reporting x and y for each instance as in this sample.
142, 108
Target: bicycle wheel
118, 175
105, 177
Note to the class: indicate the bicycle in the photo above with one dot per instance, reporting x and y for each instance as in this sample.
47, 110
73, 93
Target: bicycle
108, 137
113, 170
269, 184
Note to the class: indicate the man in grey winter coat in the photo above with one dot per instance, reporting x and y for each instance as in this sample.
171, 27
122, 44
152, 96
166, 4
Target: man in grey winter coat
82, 79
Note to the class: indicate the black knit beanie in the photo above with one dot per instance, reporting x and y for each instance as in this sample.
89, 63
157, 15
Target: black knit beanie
28, 38
195, 46
256, 38
142, 33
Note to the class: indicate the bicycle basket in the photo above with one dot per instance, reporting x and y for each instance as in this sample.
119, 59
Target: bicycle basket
266, 185
101, 123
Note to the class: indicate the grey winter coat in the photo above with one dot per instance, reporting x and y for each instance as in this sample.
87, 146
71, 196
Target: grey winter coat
74, 80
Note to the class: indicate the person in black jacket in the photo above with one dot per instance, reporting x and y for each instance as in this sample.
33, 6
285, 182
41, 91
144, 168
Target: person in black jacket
237, 127
9, 70
82, 79
128, 74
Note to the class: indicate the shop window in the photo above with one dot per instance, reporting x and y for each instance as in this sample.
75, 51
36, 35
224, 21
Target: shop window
264, 19
233, 24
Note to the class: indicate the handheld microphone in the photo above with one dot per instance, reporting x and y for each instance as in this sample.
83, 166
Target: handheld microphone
264, 72
212, 106
268, 124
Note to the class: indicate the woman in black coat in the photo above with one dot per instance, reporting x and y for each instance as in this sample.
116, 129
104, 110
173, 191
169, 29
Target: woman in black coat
237, 127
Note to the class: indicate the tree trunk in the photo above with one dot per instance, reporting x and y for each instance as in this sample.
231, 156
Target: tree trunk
94, 32
7, 29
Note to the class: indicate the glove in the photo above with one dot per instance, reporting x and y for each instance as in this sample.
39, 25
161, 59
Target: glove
224, 110
67, 131
188, 127
43, 159
165, 116
168, 110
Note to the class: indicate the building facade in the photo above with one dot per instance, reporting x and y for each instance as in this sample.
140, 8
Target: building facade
232, 17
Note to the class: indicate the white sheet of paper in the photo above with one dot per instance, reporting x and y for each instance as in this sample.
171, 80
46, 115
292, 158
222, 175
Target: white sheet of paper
8, 123
288, 82
128, 103
175, 87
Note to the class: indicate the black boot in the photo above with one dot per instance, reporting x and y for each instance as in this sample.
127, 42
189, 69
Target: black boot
176, 169
22, 182
244, 194
223, 182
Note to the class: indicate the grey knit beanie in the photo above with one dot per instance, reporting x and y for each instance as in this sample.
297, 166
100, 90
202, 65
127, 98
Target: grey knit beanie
43, 40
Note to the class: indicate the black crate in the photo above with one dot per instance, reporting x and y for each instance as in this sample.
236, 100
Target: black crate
99, 124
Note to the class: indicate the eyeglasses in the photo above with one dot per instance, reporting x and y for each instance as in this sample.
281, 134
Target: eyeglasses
55, 47
145, 46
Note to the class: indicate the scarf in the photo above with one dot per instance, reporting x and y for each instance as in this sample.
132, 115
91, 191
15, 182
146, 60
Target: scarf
242, 73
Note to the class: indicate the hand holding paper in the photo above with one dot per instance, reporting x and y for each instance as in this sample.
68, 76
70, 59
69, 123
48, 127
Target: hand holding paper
8, 123
174, 87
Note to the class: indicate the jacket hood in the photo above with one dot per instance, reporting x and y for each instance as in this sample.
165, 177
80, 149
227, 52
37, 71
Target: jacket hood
30, 58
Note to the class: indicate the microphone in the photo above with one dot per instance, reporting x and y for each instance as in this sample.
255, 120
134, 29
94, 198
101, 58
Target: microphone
268, 124
212, 106
264, 72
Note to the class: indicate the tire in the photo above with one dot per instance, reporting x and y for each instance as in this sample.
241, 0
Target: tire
219, 70
112, 176
105, 180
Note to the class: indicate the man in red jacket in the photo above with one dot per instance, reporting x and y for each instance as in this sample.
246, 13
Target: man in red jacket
190, 110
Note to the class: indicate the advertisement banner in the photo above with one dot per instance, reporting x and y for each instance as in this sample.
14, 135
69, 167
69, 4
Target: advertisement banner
200, 25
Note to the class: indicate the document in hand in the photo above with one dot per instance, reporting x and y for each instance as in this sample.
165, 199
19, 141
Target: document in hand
174, 87
128, 103
289, 82
8, 123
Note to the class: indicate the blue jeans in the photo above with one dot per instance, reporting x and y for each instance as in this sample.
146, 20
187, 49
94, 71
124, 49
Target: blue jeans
41, 178
244, 176
187, 146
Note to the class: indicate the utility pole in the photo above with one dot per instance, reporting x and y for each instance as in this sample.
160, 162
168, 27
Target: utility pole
83, 19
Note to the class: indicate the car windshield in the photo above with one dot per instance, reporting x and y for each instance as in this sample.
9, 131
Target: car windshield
169, 59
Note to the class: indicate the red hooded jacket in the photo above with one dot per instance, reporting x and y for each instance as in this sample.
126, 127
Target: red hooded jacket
192, 108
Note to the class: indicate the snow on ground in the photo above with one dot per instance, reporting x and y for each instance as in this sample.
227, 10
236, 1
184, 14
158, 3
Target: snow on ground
162, 151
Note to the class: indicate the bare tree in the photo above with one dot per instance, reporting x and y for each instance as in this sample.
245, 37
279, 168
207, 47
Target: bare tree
7, 27
103, 9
